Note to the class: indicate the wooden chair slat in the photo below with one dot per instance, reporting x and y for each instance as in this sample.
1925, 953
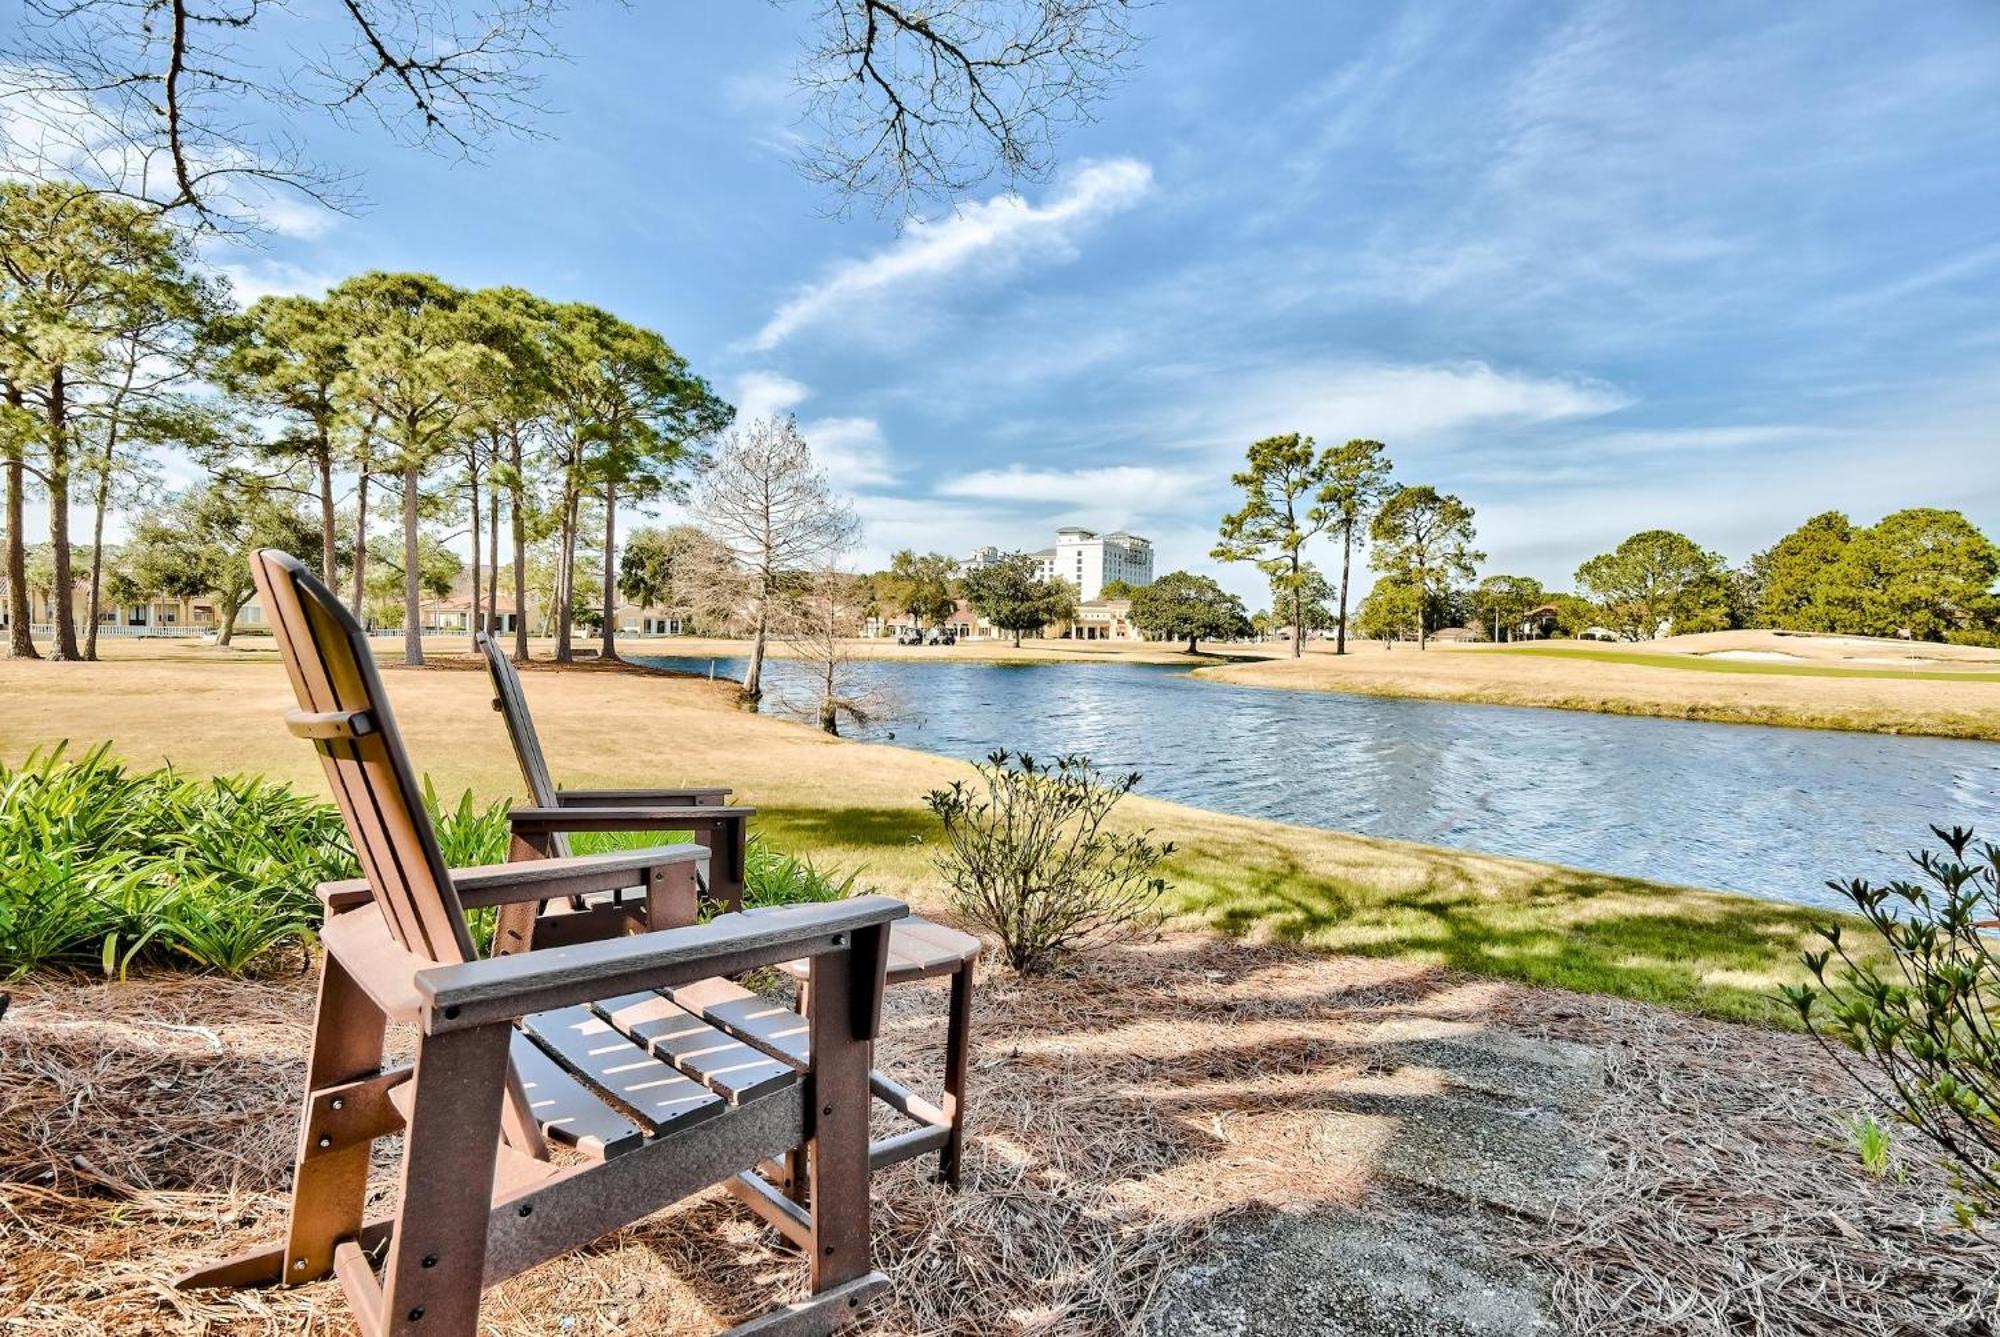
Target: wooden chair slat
733, 1070
590, 1048
512, 704
770, 1026
333, 674
567, 1111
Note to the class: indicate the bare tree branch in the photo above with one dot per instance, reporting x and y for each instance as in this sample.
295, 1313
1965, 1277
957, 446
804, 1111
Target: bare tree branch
170, 102
916, 104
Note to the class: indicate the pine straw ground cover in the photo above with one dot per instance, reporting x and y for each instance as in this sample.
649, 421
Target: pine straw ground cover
1119, 1111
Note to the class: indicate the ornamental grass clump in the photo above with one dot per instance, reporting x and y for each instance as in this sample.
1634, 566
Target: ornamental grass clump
1028, 858
1925, 1011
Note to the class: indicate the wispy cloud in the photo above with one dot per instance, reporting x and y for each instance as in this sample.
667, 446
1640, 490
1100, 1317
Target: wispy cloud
989, 237
852, 449
262, 276
1135, 489
766, 394
1227, 407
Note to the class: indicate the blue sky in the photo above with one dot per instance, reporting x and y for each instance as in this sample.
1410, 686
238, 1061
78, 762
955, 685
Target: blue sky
1594, 267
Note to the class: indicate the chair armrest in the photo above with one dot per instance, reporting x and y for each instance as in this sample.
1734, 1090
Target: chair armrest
503, 988
640, 798
679, 817
534, 879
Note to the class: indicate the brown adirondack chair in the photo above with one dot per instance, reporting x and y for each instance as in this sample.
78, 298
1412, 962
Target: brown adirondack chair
544, 828
584, 1044
918, 949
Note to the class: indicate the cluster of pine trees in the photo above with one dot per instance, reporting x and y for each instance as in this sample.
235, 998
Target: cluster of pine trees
368, 429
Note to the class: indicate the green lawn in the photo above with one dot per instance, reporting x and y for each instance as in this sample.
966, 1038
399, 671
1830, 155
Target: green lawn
1703, 952
1710, 664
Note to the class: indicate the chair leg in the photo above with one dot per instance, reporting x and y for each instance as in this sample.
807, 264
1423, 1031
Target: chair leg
957, 1054
837, 1150
437, 1259
329, 1185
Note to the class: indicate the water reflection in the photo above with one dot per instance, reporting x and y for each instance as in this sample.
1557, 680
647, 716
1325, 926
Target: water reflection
1774, 812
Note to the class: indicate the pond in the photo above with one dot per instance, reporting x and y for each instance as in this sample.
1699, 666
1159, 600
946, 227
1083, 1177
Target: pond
1772, 812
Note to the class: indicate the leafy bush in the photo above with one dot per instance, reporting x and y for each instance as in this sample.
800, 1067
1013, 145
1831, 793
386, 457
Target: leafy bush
1928, 1017
103, 867
1028, 858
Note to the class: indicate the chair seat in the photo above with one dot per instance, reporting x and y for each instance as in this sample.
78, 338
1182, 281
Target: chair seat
607, 1077
918, 950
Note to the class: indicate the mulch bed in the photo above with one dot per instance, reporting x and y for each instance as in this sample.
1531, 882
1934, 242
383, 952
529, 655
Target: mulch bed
1120, 1112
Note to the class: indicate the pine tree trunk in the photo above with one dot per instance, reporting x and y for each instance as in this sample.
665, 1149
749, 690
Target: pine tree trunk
472, 601
608, 646
360, 598
20, 641
329, 538
492, 561
64, 608
413, 632
102, 502
1423, 635
519, 524
565, 609
1298, 612
1346, 565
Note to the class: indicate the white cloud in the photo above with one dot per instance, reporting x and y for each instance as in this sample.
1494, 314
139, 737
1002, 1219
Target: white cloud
1134, 489
1000, 233
851, 449
251, 279
766, 394
1227, 407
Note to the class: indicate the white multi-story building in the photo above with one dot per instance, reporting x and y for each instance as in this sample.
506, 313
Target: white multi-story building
1086, 559
1090, 561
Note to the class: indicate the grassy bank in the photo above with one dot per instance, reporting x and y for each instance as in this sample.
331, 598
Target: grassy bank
1938, 699
220, 712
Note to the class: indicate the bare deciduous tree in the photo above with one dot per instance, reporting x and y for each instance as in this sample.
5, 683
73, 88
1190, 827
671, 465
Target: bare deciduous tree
762, 497
822, 615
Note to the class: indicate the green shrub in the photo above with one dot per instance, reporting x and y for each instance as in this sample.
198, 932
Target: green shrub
1927, 1017
1028, 857
102, 867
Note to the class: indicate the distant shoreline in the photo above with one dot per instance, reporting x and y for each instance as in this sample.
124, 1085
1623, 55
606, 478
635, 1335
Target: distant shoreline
1812, 687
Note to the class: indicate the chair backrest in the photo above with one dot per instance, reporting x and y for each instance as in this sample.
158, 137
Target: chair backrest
513, 708
345, 713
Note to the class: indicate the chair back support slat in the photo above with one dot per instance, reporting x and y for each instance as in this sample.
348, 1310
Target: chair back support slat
326, 656
513, 707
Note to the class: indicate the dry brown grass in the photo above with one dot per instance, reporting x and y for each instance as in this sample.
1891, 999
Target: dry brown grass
1627, 682
1119, 1112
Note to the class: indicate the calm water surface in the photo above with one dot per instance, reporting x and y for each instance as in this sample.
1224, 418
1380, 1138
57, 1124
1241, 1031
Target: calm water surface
1774, 812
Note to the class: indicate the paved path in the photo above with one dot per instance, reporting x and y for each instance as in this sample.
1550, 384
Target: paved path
1453, 1120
